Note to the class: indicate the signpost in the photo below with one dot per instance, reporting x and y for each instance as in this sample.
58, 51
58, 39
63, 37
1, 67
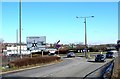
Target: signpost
42, 52
58, 46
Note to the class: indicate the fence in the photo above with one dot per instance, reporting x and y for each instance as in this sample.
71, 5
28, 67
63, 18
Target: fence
104, 72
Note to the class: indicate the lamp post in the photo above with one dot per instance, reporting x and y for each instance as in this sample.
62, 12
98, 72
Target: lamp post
20, 27
85, 33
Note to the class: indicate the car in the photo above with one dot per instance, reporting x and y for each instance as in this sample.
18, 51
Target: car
111, 54
100, 58
71, 54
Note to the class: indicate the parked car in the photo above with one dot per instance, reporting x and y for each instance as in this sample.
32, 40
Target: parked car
111, 54
100, 58
71, 54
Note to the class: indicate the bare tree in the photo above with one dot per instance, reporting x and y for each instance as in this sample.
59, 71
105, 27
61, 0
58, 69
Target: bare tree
1, 45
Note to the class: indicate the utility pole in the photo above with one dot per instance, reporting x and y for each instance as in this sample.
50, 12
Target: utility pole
20, 27
17, 40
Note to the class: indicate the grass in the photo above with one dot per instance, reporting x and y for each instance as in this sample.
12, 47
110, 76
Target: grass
1, 68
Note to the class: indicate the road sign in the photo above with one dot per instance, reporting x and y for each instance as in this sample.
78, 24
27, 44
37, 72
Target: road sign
36, 42
58, 41
57, 46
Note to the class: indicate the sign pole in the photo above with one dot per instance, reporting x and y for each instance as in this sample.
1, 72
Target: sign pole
58, 51
31, 55
42, 53
58, 46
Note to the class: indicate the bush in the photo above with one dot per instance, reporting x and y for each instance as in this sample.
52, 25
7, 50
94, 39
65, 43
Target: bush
32, 61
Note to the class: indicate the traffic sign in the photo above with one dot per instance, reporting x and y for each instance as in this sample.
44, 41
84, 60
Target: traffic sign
57, 46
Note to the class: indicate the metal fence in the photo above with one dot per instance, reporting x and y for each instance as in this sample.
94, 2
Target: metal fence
104, 72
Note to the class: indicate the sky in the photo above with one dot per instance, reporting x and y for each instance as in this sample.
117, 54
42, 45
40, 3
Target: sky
57, 21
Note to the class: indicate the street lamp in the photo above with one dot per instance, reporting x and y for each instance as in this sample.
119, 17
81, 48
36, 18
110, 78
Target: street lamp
85, 33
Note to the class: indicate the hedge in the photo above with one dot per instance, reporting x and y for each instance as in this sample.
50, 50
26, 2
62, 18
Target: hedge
32, 61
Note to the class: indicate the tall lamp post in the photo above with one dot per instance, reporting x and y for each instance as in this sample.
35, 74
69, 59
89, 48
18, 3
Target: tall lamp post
20, 26
85, 33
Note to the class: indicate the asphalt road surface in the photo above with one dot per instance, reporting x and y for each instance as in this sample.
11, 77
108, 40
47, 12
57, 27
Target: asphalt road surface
70, 67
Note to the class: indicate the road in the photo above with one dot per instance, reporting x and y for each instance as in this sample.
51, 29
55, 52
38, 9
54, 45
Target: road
70, 67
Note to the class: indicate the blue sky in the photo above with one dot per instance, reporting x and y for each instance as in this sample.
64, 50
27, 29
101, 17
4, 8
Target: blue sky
57, 21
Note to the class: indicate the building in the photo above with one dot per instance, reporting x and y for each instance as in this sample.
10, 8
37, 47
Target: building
15, 49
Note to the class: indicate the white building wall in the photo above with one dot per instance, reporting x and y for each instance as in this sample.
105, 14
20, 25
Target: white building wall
16, 50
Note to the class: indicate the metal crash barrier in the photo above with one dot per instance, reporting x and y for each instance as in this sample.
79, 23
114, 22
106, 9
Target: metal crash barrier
104, 72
